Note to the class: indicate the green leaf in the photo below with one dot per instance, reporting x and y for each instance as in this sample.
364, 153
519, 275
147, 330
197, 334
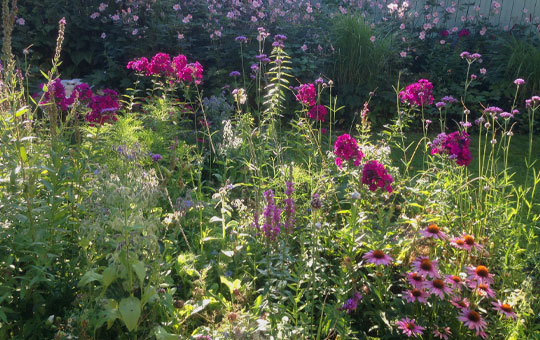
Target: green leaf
21, 111
24, 156
88, 277
130, 311
201, 305
162, 334
140, 271
109, 275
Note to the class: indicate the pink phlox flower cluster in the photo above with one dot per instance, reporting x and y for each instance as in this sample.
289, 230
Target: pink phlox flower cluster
346, 148
83, 92
306, 94
318, 112
456, 145
376, 176
162, 65
419, 93
58, 92
103, 107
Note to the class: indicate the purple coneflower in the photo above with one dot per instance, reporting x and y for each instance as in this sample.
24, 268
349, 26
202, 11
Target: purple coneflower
377, 257
409, 327
455, 281
438, 287
414, 294
480, 274
416, 280
434, 231
442, 332
460, 303
504, 309
474, 321
424, 266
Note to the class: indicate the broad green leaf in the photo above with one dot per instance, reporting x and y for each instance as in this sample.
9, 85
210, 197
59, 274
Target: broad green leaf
88, 277
162, 334
228, 253
24, 156
130, 311
201, 305
109, 275
140, 271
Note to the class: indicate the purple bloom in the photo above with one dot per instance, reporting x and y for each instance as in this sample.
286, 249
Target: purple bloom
156, 157
440, 104
449, 99
234, 74
519, 81
272, 219
375, 175
456, 145
240, 39
346, 148
351, 304
419, 93
289, 208
463, 32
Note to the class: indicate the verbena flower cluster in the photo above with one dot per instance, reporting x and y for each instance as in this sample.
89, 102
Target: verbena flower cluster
419, 93
161, 65
456, 145
103, 107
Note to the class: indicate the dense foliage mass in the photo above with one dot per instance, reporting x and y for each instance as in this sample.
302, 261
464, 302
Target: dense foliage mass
163, 212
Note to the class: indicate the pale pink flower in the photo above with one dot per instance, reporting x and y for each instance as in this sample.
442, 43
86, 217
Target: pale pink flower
437, 287
480, 274
433, 231
409, 327
416, 280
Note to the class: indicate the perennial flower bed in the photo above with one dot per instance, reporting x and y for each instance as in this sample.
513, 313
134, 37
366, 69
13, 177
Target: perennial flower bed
162, 213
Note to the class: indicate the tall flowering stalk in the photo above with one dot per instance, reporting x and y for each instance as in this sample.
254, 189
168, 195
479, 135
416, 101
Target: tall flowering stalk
289, 208
272, 219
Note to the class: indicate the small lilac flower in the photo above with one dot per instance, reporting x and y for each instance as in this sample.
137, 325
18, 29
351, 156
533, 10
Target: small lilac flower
519, 82
240, 39
234, 74
440, 105
157, 157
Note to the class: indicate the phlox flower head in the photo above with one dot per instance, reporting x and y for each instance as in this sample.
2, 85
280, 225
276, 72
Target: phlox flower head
375, 176
83, 92
56, 91
306, 94
419, 93
317, 112
103, 107
456, 145
346, 148
139, 65
464, 32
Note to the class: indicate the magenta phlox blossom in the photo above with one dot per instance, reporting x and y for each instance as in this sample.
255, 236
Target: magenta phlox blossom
375, 176
346, 148
419, 93
456, 145
317, 112
103, 107
306, 94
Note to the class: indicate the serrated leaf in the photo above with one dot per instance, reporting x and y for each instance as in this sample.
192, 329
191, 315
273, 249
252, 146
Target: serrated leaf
130, 311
